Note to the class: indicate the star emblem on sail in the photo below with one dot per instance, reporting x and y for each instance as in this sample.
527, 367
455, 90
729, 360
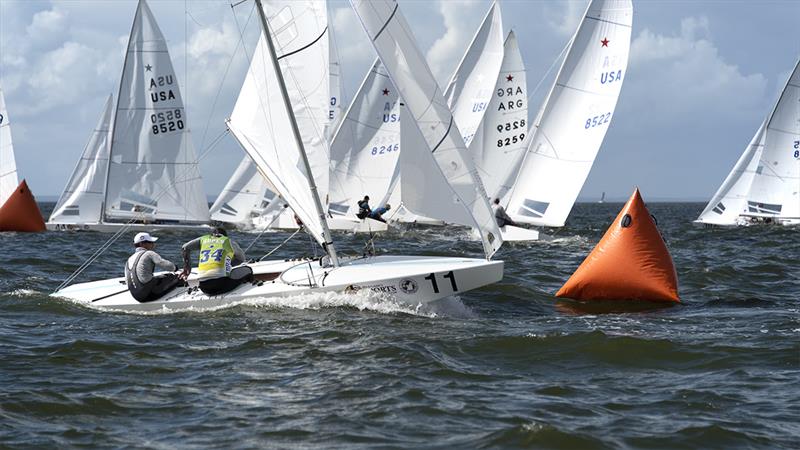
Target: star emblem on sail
570, 127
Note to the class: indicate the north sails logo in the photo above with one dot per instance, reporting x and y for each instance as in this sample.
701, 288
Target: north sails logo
408, 286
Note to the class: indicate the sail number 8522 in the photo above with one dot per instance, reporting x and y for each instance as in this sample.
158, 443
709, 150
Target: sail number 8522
796, 147
448, 276
597, 120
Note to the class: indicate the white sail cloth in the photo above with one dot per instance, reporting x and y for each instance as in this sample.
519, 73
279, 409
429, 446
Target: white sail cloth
82, 199
153, 171
499, 142
365, 148
730, 200
470, 88
765, 182
246, 194
8, 165
776, 185
406, 65
260, 121
575, 117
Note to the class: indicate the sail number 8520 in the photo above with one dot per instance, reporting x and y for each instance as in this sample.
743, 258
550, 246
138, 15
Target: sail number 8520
164, 122
448, 276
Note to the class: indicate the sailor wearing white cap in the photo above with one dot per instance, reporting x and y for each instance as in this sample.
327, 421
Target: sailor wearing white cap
139, 268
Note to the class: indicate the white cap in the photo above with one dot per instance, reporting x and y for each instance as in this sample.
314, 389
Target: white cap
143, 237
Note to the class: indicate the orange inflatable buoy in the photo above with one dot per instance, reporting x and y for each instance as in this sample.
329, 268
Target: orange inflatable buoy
631, 262
20, 212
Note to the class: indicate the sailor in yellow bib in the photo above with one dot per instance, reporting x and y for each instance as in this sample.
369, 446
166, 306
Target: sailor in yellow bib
217, 260
216, 256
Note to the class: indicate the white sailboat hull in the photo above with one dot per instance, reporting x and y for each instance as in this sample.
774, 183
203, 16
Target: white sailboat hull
520, 234
411, 280
114, 227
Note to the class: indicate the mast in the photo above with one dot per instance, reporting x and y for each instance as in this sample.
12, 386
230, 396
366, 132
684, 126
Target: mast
326, 232
114, 118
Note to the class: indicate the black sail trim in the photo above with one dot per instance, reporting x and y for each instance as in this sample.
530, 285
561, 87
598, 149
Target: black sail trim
305, 47
391, 16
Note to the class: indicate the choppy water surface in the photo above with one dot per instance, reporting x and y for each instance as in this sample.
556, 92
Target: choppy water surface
505, 366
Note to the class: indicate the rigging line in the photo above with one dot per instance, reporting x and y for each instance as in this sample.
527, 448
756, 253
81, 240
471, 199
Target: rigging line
125, 227
227, 70
281, 244
264, 230
547, 73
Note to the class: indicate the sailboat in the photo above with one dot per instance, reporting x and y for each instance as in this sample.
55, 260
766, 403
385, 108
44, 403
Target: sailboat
250, 203
265, 123
18, 208
764, 185
499, 141
458, 196
365, 148
563, 142
139, 168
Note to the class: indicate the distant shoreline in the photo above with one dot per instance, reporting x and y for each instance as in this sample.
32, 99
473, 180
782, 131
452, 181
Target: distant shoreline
54, 198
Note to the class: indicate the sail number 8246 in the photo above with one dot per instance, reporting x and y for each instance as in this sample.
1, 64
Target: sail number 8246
164, 122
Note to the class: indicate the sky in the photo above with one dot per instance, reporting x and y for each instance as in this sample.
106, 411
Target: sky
702, 76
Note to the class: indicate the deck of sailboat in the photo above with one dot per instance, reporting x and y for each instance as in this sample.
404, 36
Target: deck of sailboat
412, 280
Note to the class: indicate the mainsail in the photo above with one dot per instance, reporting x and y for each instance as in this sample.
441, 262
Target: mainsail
499, 141
574, 118
153, 172
765, 182
469, 90
82, 199
260, 121
365, 148
8, 165
406, 65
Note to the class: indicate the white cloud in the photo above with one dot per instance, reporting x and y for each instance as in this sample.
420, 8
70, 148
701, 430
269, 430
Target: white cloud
686, 72
351, 42
446, 52
51, 22
564, 17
